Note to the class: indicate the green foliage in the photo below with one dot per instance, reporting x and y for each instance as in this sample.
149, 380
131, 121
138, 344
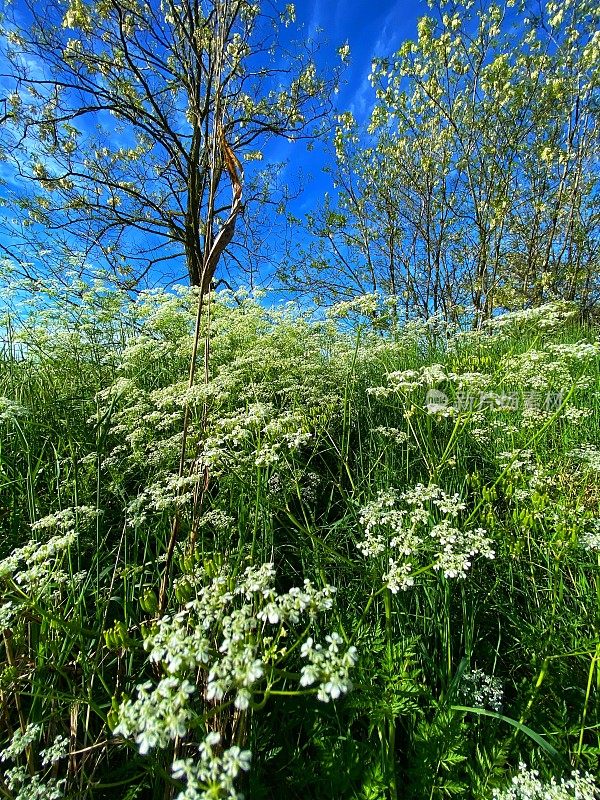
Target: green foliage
134, 128
326, 453
474, 182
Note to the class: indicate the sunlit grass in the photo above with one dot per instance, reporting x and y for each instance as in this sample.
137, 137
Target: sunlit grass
303, 443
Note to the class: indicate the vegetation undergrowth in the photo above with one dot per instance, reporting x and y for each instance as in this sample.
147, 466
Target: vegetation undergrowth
385, 579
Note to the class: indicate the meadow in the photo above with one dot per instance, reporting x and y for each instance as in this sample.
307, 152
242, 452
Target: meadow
349, 559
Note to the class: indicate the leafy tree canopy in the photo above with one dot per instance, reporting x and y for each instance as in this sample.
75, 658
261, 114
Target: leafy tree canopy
134, 121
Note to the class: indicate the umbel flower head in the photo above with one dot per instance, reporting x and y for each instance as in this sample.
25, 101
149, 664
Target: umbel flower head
211, 774
234, 633
420, 526
526, 785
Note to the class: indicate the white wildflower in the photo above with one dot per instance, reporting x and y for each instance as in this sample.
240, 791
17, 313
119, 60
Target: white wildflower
548, 317
328, 666
66, 519
217, 632
481, 690
10, 411
579, 352
590, 539
158, 715
212, 773
57, 750
575, 416
587, 454
20, 741
526, 785
405, 527
24, 786
36, 564
398, 436
398, 576
8, 613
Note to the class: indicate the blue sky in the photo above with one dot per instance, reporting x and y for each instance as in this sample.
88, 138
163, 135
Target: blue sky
372, 28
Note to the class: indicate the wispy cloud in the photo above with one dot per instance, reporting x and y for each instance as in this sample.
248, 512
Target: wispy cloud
396, 24
359, 102
316, 18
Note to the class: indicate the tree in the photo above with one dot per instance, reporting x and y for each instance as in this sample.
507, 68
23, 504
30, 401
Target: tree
133, 119
475, 180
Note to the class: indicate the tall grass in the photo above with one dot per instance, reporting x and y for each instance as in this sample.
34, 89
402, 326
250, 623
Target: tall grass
302, 437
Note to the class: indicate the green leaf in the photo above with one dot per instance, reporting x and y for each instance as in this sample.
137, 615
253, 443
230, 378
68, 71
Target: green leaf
539, 740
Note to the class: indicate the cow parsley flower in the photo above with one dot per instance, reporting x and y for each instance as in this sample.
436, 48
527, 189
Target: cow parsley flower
211, 773
54, 752
35, 564
221, 633
328, 666
548, 317
580, 352
420, 526
526, 785
66, 519
457, 548
8, 613
588, 455
23, 785
590, 539
20, 741
481, 690
11, 411
399, 577
158, 715
395, 434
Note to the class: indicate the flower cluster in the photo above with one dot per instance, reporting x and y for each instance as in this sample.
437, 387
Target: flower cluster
408, 381
36, 567
468, 389
211, 774
35, 564
265, 433
366, 305
590, 539
419, 526
11, 411
328, 666
18, 780
158, 715
587, 455
166, 493
481, 690
526, 785
20, 741
66, 519
536, 371
456, 548
234, 632
395, 434
578, 353
547, 317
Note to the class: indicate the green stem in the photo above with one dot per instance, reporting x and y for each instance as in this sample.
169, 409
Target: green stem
391, 723
588, 693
